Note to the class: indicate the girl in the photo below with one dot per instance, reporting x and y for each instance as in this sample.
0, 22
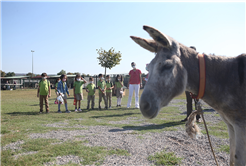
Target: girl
78, 90
62, 90
119, 89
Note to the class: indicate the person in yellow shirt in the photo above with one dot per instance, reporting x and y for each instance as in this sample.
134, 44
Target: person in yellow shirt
109, 87
119, 89
91, 89
44, 92
102, 91
78, 90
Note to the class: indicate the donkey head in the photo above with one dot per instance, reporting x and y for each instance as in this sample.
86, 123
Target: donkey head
167, 76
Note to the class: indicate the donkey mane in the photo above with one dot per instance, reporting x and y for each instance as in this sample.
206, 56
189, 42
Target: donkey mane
241, 67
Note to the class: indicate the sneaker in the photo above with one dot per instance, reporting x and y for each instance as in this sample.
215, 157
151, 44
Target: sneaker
117, 106
75, 110
92, 108
87, 107
105, 108
47, 111
68, 111
136, 107
80, 110
59, 111
99, 108
40, 112
110, 107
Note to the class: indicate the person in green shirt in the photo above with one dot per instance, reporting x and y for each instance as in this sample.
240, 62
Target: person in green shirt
102, 93
109, 87
119, 89
44, 92
78, 90
91, 89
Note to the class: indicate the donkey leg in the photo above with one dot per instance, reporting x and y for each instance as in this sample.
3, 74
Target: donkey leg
232, 143
240, 153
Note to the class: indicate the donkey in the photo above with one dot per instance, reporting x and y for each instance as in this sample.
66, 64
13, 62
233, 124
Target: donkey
175, 69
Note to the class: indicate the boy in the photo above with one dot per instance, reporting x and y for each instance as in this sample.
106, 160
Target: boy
91, 89
101, 86
78, 90
44, 92
109, 87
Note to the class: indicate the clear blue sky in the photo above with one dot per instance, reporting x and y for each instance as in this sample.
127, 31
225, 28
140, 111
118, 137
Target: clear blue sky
65, 35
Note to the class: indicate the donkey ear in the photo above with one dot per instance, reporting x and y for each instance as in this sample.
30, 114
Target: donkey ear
158, 36
148, 44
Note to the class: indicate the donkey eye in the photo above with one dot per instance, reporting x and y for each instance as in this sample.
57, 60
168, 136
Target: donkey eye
166, 66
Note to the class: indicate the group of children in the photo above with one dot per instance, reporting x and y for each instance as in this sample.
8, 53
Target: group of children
105, 91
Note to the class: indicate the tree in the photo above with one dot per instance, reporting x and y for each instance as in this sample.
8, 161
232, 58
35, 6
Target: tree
10, 74
76, 73
61, 72
2, 73
83, 75
69, 73
108, 59
29, 74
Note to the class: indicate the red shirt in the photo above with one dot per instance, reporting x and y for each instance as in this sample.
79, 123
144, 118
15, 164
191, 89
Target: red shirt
135, 76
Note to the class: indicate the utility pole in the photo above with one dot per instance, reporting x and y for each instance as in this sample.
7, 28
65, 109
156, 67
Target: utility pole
32, 61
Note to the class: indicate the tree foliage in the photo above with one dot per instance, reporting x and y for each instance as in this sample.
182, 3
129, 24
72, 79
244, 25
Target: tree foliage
29, 74
69, 73
61, 72
108, 59
2, 73
77, 73
10, 74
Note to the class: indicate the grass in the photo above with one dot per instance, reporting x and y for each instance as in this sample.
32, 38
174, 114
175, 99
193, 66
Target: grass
219, 130
20, 118
47, 152
165, 158
225, 148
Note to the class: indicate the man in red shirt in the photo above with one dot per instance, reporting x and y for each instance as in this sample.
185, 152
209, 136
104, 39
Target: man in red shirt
134, 84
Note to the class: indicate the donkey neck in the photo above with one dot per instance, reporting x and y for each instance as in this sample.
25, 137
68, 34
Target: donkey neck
219, 76
190, 63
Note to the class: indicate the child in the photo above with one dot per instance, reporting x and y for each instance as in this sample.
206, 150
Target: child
57, 80
91, 89
109, 87
119, 89
78, 90
44, 92
146, 78
62, 89
101, 86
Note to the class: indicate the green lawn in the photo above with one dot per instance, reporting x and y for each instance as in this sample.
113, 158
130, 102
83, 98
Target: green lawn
20, 117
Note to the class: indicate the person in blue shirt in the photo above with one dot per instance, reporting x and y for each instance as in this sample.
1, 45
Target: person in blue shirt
62, 89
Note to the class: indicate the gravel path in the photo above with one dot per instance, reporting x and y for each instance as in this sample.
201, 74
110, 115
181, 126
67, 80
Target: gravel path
194, 152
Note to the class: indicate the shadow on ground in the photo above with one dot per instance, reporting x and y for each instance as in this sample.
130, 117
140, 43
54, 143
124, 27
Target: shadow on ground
148, 127
209, 110
115, 115
22, 113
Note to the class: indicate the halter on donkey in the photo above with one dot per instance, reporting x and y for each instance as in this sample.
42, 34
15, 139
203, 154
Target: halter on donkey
174, 69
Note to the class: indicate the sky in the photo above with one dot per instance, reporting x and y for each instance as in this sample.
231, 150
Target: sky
65, 35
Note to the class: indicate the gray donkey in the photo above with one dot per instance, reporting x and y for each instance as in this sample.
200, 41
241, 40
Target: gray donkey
175, 69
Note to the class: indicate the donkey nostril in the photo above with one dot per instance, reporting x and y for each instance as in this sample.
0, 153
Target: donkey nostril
146, 105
